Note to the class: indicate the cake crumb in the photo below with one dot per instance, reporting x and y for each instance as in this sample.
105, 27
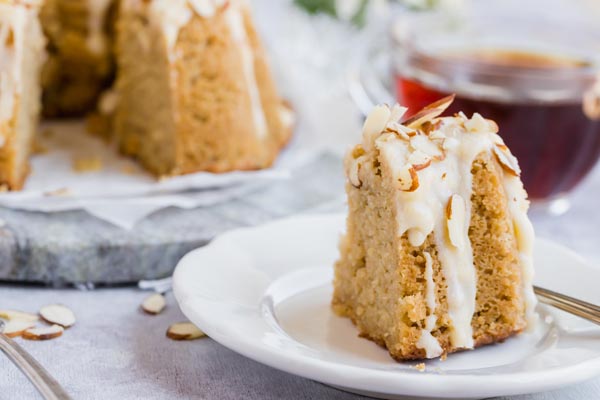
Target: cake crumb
420, 367
38, 147
128, 169
47, 133
58, 192
444, 357
87, 164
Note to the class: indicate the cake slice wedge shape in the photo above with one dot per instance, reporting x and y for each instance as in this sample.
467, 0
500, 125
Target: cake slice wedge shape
437, 254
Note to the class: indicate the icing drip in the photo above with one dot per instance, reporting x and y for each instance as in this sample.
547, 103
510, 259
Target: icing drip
427, 341
524, 233
20, 35
434, 186
96, 39
238, 31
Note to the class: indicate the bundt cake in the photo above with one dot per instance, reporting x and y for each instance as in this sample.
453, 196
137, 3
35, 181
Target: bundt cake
437, 255
181, 85
194, 89
80, 57
21, 57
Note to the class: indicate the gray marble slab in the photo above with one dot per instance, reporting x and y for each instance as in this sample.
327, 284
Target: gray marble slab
75, 247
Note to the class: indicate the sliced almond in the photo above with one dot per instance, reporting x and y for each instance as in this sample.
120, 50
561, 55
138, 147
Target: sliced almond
425, 145
376, 121
419, 160
18, 315
408, 180
456, 217
154, 304
58, 314
430, 112
45, 333
507, 160
16, 327
400, 130
397, 112
184, 331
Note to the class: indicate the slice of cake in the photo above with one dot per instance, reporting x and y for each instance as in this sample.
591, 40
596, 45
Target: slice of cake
194, 89
437, 256
80, 61
21, 57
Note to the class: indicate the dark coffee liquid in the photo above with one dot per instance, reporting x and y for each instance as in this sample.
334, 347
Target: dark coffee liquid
556, 144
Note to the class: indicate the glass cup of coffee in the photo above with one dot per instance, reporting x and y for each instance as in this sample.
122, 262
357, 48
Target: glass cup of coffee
537, 77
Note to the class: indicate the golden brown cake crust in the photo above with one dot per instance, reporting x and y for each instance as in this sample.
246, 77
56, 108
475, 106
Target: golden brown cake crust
196, 113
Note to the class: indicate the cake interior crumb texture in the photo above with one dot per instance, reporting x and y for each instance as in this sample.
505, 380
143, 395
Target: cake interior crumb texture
181, 86
396, 285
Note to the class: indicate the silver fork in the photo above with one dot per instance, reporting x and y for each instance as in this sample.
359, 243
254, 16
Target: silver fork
577, 307
48, 387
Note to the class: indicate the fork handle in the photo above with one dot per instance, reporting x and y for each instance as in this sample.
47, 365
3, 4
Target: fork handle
48, 387
580, 308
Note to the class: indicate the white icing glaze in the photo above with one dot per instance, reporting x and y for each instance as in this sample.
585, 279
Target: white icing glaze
172, 15
20, 35
452, 147
237, 29
96, 37
427, 341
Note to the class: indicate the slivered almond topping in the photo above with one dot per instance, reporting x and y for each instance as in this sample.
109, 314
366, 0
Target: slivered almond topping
154, 304
456, 217
184, 331
376, 121
507, 160
408, 180
419, 160
430, 148
397, 112
12, 315
16, 327
45, 333
430, 112
357, 151
58, 314
400, 130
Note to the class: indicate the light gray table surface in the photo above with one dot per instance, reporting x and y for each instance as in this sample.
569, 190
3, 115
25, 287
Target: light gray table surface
115, 351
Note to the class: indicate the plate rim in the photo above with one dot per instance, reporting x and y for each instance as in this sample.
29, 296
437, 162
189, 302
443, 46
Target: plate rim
354, 377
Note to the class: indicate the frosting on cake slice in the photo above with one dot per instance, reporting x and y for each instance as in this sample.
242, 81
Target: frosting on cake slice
437, 254
21, 57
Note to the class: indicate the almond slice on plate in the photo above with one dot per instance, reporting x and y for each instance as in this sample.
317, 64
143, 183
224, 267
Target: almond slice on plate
456, 211
430, 112
16, 327
58, 314
45, 333
154, 304
18, 315
184, 331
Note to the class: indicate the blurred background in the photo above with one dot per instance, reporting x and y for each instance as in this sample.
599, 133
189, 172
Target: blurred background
532, 66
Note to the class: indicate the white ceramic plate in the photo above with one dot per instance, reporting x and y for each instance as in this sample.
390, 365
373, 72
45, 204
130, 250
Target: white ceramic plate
264, 292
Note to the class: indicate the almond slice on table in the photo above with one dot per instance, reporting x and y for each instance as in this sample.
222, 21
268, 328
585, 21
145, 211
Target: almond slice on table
58, 314
154, 304
45, 333
18, 315
456, 211
430, 112
16, 327
184, 331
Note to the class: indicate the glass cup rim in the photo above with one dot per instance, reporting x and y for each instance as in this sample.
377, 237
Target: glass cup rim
436, 69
